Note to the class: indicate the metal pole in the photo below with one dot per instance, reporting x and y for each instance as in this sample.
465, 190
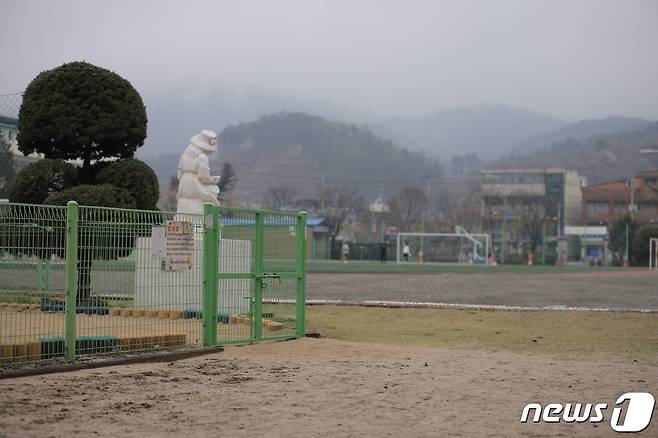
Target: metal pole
71, 278
631, 208
504, 243
627, 249
210, 273
397, 251
543, 243
300, 314
258, 271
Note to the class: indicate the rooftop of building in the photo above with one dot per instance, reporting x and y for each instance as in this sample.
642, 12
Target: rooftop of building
8, 121
559, 170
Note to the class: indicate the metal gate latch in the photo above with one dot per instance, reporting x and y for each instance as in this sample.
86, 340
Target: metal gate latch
265, 275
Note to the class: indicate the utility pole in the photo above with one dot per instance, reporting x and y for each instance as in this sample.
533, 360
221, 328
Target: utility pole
627, 249
631, 208
504, 245
322, 191
543, 242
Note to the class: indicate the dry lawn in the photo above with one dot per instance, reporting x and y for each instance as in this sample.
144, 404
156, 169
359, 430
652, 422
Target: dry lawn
386, 372
567, 334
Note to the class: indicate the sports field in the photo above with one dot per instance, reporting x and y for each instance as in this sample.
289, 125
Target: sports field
511, 285
380, 372
318, 266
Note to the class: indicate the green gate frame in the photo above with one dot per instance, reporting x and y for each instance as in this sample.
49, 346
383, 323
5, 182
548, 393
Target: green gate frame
212, 276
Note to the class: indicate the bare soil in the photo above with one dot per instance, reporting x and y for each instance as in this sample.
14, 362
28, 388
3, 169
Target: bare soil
322, 387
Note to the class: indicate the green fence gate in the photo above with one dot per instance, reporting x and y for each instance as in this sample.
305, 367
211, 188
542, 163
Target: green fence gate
80, 280
255, 274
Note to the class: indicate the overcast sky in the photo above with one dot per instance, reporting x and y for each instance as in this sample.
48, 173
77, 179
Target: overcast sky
368, 59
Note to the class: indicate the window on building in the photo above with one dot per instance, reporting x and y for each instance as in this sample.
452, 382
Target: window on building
512, 178
646, 206
597, 207
621, 206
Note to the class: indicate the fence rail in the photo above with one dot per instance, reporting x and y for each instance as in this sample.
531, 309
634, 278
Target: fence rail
80, 280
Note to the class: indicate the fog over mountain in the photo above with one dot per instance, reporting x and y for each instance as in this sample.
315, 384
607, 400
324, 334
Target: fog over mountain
491, 131
421, 69
581, 130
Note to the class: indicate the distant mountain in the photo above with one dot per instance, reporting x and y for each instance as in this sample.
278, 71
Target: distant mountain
491, 131
308, 152
580, 130
600, 158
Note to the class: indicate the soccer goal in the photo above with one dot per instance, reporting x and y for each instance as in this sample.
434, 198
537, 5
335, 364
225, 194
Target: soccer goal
653, 253
460, 248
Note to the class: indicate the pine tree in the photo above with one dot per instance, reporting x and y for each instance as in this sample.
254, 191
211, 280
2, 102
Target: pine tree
228, 182
7, 170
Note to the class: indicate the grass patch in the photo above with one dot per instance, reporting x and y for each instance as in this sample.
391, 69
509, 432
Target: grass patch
20, 298
570, 333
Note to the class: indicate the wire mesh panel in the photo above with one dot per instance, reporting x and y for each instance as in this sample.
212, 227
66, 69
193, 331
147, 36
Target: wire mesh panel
82, 280
133, 292
279, 307
280, 260
279, 243
32, 298
260, 274
237, 256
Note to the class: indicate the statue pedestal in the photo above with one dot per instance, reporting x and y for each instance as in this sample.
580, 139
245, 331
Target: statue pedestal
156, 288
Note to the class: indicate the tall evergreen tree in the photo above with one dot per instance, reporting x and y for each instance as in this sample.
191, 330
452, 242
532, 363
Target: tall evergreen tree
228, 182
7, 170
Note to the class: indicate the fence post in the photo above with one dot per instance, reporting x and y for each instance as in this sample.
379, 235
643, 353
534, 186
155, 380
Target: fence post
258, 271
210, 271
300, 301
71, 278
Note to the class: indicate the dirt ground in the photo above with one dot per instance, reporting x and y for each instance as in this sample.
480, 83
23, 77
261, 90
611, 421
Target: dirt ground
593, 289
321, 387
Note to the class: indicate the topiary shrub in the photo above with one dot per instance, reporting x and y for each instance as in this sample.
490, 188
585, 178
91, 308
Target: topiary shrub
36, 181
104, 195
136, 177
81, 111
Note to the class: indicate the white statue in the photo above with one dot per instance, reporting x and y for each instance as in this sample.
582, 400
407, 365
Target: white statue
195, 185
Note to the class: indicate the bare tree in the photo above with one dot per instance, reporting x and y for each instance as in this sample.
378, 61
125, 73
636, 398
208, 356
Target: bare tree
459, 204
408, 207
532, 214
339, 206
279, 197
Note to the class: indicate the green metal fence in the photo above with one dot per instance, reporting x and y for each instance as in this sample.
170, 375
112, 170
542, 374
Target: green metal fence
81, 280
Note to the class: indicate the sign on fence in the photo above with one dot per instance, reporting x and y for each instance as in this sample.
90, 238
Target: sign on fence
179, 246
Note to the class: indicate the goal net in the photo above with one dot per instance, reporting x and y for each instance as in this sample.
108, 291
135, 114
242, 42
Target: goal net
461, 248
653, 253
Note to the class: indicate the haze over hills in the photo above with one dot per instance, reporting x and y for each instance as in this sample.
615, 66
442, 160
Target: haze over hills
308, 153
491, 131
600, 158
581, 130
